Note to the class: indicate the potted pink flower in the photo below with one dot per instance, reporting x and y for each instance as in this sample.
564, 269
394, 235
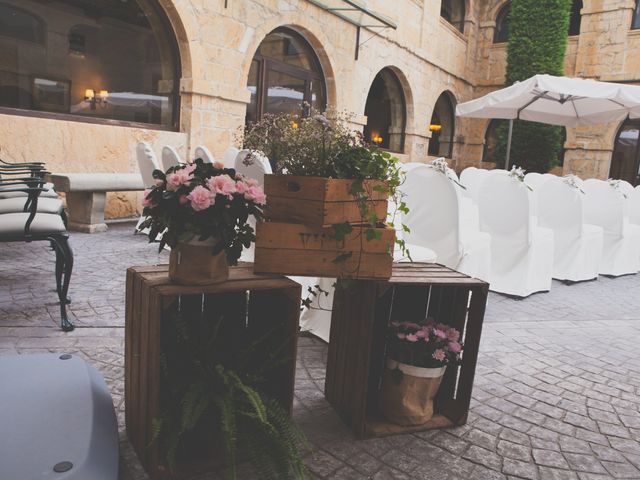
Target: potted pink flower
201, 211
417, 357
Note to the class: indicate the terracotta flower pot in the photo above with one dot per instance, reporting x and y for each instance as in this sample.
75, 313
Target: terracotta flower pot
193, 264
407, 399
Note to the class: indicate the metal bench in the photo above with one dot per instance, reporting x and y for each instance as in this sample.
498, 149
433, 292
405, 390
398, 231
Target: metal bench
86, 195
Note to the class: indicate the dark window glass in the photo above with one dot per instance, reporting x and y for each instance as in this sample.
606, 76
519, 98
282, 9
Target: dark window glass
453, 12
386, 112
442, 127
285, 75
491, 141
501, 33
625, 164
107, 59
574, 19
635, 23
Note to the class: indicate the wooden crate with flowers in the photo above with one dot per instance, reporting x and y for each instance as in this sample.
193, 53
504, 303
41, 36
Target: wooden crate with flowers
396, 360
328, 200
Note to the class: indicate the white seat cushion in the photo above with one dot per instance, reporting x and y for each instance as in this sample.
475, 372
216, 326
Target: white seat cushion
49, 193
12, 224
16, 205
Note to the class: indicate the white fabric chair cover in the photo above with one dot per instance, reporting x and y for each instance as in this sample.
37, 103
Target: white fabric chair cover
170, 157
472, 178
229, 157
147, 163
605, 206
252, 164
434, 221
577, 246
521, 253
634, 206
12, 224
204, 153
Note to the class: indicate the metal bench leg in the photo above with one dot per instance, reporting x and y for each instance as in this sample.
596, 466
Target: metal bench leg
66, 254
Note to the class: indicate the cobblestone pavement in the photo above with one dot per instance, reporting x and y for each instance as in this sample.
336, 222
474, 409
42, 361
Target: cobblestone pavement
556, 393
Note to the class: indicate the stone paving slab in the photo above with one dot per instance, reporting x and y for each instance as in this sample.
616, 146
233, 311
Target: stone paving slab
557, 391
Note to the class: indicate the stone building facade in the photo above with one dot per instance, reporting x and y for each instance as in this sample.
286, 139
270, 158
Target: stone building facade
430, 53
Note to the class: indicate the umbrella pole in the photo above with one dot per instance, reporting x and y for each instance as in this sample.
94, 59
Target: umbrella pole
506, 164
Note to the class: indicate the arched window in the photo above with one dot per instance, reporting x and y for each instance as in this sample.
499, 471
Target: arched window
453, 12
575, 18
284, 77
386, 112
110, 61
442, 127
635, 21
20, 24
501, 33
625, 161
491, 142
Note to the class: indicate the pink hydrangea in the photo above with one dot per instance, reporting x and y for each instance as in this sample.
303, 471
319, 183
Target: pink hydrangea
439, 355
147, 201
453, 335
256, 194
183, 199
401, 335
439, 333
252, 182
223, 185
455, 347
241, 187
200, 198
412, 338
180, 177
422, 333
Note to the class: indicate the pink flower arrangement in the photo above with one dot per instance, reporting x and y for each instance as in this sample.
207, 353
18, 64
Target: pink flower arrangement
201, 201
427, 345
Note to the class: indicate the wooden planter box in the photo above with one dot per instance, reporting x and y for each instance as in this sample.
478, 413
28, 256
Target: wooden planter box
293, 249
318, 201
359, 322
251, 304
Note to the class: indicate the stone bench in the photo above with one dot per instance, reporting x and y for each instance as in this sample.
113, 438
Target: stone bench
86, 195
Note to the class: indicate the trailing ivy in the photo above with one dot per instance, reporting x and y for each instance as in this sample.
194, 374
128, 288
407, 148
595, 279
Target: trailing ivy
537, 44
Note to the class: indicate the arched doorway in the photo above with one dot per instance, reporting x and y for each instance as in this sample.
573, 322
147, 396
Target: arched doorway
625, 161
442, 127
386, 112
285, 77
501, 33
453, 12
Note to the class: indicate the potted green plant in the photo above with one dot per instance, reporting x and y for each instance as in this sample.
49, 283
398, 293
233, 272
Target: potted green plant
417, 357
201, 210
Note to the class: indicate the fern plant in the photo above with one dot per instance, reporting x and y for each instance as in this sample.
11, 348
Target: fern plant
213, 396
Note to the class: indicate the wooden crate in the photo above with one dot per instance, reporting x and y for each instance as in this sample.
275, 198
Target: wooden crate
359, 322
293, 249
250, 303
318, 201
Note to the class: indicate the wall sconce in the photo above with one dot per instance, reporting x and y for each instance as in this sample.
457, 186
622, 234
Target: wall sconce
99, 98
294, 125
377, 139
435, 127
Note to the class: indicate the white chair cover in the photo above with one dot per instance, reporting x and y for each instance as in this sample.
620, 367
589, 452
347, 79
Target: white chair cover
521, 253
252, 164
472, 178
434, 221
605, 206
170, 157
203, 152
229, 157
578, 246
634, 206
147, 163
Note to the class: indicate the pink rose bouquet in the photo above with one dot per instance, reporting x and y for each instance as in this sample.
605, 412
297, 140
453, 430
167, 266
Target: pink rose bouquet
427, 345
201, 201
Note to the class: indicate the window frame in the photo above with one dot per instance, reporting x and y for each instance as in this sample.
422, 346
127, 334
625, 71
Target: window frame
571, 17
457, 25
452, 112
636, 167
501, 17
267, 64
38, 18
635, 15
176, 100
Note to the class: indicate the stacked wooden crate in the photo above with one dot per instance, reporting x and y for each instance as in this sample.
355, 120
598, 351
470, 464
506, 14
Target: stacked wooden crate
300, 239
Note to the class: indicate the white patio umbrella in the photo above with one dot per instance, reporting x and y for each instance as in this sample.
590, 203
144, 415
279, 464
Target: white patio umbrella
557, 101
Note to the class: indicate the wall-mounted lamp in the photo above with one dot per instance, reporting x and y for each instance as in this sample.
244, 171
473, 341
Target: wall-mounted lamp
99, 98
435, 127
294, 125
377, 139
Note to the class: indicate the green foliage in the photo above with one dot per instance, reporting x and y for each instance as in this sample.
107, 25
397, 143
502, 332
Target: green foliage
537, 44
213, 397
